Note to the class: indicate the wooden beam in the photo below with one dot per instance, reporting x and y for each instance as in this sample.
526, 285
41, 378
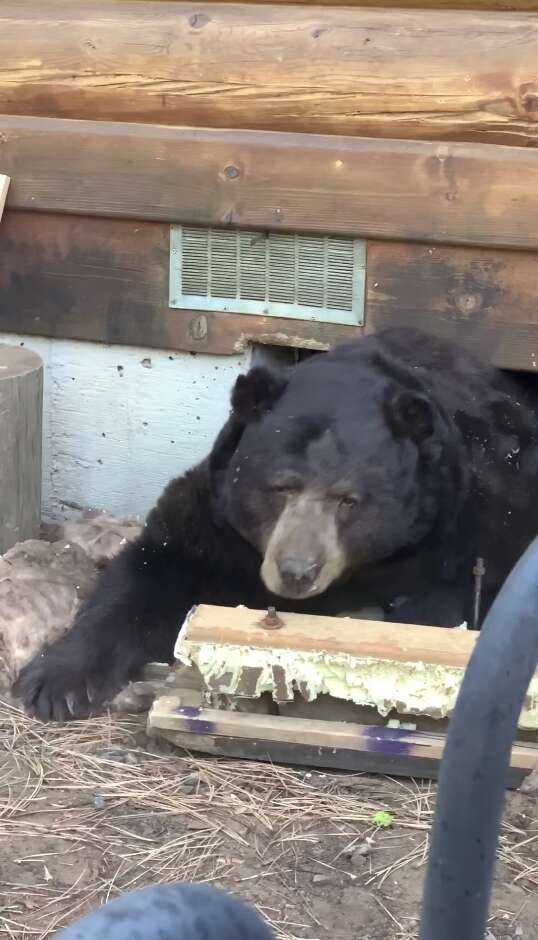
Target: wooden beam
506, 5
510, 5
411, 669
487, 300
441, 75
403, 643
308, 755
106, 280
520, 6
440, 193
342, 745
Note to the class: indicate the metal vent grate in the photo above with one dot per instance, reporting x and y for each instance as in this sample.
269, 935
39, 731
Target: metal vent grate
307, 277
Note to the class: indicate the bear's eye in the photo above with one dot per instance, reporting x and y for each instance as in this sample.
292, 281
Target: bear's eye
348, 502
283, 489
285, 484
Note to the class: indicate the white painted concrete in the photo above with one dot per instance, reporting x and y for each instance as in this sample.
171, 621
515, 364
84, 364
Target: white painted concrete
120, 422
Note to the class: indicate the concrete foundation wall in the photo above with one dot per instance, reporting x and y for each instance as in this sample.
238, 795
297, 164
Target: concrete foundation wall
120, 422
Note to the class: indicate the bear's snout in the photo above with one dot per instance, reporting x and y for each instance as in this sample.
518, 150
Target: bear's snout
298, 575
303, 553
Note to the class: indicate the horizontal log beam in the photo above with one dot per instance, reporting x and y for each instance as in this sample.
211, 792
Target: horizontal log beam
505, 5
106, 280
510, 5
441, 193
450, 75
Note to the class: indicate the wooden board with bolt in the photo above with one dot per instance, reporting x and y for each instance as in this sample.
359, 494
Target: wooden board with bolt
260, 673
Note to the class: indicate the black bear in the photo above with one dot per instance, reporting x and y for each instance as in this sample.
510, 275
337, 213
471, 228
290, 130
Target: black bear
376, 473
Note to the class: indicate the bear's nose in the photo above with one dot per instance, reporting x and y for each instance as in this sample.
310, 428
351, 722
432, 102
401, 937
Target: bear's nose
298, 574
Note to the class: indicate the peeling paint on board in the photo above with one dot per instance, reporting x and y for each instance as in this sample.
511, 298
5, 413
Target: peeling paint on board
409, 688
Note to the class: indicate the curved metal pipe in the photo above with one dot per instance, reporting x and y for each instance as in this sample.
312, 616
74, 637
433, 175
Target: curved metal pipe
475, 765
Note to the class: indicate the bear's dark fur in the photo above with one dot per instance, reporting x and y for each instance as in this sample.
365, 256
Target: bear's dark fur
375, 473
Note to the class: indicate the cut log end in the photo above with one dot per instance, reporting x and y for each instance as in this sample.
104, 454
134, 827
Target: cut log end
21, 406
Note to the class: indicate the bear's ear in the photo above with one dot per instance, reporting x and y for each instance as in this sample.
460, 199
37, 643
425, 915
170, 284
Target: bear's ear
410, 415
255, 393
221, 453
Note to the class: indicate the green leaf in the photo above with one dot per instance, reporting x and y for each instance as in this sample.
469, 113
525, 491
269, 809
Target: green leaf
382, 819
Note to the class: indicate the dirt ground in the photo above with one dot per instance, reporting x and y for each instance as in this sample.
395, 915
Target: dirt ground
95, 808
91, 809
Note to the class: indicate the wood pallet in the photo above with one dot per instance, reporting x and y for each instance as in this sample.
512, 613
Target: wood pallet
301, 741
226, 645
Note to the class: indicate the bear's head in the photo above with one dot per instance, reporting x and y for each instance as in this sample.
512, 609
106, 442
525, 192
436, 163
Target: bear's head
331, 466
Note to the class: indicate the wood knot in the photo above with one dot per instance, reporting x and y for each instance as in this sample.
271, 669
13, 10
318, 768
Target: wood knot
199, 20
198, 328
469, 302
530, 103
232, 172
529, 98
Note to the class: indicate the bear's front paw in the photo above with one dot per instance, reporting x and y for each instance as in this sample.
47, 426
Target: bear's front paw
53, 689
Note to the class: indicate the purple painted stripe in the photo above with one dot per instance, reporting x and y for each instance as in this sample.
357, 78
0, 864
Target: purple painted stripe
374, 739
379, 740
194, 721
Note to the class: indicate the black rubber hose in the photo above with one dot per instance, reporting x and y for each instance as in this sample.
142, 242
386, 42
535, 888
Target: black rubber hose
171, 912
475, 765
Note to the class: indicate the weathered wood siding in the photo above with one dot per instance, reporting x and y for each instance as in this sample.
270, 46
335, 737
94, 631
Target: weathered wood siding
415, 74
118, 118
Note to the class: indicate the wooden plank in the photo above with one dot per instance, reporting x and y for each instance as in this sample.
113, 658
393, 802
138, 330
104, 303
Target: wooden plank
409, 668
404, 643
521, 6
511, 5
448, 193
168, 714
307, 755
485, 299
344, 745
275, 67
4, 186
106, 280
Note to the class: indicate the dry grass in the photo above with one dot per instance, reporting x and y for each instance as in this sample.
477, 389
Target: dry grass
94, 798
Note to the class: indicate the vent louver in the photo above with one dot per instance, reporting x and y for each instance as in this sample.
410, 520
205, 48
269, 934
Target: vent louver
306, 277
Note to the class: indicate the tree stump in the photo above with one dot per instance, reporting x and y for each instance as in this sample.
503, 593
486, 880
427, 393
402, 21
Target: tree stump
21, 410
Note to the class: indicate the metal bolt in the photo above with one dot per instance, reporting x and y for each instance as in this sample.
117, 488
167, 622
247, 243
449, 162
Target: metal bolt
271, 621
479, 571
